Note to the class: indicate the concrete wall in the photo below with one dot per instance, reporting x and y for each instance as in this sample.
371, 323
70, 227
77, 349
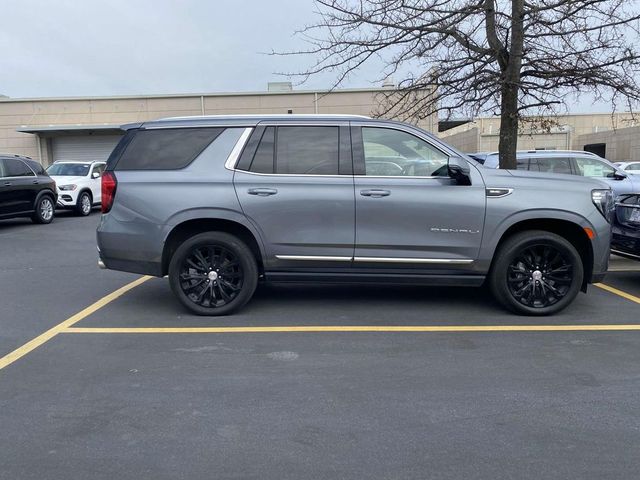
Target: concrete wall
16, 113
562, 135
621, 145
465, 140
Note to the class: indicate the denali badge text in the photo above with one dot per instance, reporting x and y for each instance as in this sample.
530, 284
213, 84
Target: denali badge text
454, 230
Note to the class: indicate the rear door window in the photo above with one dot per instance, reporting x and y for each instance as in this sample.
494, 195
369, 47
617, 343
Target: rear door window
554, 165
16, 168
165, 149
307, 150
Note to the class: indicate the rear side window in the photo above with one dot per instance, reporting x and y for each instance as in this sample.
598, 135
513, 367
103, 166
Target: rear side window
307, 150
263, 159
16, 168
554, 165
298, 151
165, 149
36, 167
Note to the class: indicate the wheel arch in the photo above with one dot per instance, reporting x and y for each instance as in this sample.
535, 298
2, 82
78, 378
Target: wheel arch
571, 231
46, 191
188, 228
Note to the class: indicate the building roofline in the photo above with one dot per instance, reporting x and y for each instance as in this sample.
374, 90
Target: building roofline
195, 94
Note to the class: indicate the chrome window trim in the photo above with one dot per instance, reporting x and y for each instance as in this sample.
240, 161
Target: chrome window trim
400, 176
328, 258
234, 156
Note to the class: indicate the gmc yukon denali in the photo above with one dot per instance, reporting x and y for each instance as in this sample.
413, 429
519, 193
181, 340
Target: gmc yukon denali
219, 203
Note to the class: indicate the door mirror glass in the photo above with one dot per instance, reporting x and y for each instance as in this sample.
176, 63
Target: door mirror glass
458, 169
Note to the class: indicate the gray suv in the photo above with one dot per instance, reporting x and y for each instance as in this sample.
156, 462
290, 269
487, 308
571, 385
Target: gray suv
219, 203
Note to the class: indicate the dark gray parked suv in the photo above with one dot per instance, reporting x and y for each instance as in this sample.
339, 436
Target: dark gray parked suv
218, 203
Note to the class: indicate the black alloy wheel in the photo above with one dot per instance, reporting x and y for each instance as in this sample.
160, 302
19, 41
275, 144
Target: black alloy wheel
211, 276
213, 273
536, 273
539, 276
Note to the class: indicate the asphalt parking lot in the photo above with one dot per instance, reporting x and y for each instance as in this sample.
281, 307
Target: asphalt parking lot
356, 382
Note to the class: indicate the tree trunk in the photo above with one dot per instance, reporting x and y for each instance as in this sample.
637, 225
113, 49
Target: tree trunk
508, 127
510, 89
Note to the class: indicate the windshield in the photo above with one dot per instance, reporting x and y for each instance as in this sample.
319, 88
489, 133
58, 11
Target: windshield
69, 169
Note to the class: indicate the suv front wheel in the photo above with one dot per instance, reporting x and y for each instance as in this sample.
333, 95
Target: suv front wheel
536, 273
213, 273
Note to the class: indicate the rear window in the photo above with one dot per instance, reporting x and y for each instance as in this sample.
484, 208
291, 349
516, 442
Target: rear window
164, 149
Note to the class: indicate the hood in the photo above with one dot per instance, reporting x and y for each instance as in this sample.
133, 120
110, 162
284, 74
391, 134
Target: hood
66, 179
554, 180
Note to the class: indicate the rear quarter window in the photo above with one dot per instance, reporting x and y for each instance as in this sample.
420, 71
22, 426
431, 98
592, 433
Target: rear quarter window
163, 149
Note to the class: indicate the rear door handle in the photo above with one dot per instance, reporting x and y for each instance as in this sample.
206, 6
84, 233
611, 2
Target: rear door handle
375, 192
7, 184
36, 182
262, 192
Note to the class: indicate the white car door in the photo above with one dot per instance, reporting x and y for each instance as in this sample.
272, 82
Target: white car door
96, 181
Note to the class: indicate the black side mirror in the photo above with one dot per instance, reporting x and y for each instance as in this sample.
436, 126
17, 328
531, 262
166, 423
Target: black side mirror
459, 170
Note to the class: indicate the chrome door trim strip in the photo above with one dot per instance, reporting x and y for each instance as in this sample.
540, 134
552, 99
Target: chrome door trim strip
233, 157
317, 258
446, 261
328, 258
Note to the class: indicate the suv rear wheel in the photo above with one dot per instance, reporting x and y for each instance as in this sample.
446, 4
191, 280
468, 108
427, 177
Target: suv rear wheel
44, 208
213, 273
536, 273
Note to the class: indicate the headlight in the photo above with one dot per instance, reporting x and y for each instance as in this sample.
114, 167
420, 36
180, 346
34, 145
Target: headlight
66, 188
603, 200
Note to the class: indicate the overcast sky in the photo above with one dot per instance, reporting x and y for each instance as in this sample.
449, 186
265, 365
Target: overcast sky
112, 47
54, 48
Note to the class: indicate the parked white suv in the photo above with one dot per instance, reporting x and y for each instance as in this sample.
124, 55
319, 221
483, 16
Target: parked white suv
78, 184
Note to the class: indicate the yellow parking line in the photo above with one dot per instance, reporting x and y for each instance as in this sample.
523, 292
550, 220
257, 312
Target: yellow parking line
356, 328
620, 293
52, 332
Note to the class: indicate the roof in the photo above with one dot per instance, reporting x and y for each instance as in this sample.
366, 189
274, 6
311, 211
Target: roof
242, 120
76, 129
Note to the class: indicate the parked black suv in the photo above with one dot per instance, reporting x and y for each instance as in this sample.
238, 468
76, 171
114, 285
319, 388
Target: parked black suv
26, 190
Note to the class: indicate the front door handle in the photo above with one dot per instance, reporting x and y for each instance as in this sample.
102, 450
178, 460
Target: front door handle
375, 192
262, 192
36, 182
7, 184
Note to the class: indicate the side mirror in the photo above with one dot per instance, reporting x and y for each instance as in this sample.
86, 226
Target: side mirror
95, 175
458, 169
619, 175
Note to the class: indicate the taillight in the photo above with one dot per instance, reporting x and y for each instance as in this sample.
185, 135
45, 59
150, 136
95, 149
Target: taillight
109, 184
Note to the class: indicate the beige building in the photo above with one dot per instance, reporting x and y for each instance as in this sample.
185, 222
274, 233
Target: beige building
50, 129
569, 132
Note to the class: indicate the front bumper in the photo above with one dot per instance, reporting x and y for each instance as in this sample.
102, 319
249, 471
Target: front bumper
67, 199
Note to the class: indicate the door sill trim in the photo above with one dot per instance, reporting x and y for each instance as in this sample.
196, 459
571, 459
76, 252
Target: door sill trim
328, 258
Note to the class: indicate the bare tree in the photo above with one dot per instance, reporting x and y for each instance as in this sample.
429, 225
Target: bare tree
520, 58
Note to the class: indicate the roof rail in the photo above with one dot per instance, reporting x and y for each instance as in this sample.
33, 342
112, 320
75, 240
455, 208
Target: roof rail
14, 155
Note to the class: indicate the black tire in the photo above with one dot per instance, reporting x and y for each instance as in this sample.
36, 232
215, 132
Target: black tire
84, 204
536, 273
198, 269
44, 210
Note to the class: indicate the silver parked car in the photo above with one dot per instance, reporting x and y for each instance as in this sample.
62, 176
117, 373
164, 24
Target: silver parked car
629, 167
571, 162
218, 203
